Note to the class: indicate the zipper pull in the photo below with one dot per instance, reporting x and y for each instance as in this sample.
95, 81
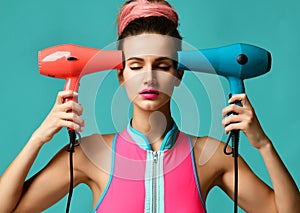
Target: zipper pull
155, 156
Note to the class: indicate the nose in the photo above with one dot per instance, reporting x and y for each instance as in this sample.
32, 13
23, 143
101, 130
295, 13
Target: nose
149, 76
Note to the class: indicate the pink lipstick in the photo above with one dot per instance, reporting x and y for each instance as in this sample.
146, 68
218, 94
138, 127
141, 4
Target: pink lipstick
149, 93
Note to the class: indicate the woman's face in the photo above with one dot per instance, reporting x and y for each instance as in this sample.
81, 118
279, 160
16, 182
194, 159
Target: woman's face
149, 75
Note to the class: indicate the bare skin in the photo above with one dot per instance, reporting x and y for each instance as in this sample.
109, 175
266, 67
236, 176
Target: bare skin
44, 189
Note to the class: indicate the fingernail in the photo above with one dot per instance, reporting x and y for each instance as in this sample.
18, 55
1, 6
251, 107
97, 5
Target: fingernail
75, 93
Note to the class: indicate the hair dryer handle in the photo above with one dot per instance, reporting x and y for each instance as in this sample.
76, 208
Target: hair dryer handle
236, 85
72, 83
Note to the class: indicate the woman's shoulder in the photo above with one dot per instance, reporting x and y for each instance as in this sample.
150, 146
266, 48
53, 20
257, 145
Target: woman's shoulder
208, 149
203, 142
96, 139
97, 149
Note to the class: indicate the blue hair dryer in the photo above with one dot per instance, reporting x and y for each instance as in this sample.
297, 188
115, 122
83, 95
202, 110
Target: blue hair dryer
235, 62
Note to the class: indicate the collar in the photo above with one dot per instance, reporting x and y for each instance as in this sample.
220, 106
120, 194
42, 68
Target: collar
143, 142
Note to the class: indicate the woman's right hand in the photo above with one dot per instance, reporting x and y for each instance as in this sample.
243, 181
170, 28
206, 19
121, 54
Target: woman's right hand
63, 114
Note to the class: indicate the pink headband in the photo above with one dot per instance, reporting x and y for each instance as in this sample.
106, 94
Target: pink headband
143, 8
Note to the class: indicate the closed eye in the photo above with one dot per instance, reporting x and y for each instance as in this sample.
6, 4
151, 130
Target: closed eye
136, 68
164, 68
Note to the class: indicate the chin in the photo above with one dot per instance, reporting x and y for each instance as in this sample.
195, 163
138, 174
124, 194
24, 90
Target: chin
152, 105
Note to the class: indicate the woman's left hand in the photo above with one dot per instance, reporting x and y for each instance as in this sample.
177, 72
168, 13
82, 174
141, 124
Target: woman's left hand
244, 118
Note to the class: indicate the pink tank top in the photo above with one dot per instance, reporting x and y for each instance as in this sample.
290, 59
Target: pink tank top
142, 180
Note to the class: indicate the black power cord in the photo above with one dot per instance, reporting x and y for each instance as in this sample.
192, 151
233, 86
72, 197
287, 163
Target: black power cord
71, 149
234, 136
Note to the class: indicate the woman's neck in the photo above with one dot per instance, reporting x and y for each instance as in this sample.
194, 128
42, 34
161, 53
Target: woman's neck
153, 124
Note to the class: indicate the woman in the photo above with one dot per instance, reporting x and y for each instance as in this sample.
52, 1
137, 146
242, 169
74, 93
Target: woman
150, 166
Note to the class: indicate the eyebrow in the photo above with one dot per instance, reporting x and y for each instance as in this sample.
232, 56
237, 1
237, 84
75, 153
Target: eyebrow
141, 59
134, 58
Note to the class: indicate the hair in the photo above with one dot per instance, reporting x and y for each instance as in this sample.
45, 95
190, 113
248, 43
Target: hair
153, 24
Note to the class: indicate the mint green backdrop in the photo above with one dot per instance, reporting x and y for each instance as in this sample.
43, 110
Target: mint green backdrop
27, 97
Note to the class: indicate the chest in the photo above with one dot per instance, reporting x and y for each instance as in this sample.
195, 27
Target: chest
147, 181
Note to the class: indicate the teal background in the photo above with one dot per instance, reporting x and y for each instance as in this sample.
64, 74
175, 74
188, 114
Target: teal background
26, 97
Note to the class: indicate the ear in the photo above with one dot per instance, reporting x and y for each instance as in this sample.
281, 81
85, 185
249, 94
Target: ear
179, 77
120, 76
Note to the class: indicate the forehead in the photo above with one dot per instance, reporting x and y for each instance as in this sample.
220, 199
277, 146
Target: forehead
150, 45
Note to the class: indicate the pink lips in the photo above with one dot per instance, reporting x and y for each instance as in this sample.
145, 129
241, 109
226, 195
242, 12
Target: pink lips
149, 93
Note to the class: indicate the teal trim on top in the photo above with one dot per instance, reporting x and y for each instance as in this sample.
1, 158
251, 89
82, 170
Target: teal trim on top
111, 173
170, 138
139, 138
143, 142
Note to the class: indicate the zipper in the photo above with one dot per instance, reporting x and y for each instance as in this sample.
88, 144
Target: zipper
154, 182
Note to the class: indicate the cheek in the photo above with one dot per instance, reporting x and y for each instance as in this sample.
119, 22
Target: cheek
132, 84
166, 82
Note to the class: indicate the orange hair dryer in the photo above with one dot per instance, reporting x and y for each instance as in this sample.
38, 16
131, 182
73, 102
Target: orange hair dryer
71, 62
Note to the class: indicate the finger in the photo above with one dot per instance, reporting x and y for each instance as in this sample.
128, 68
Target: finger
239, 98
71, 116
232, 108
75, 107
62, 95
231, 119
232, 126
71, 106
72, 125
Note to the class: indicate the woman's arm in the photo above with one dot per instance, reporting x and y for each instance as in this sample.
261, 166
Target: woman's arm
13, 191
254, 195
52, 183
287, 195
11, 182
46, 187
